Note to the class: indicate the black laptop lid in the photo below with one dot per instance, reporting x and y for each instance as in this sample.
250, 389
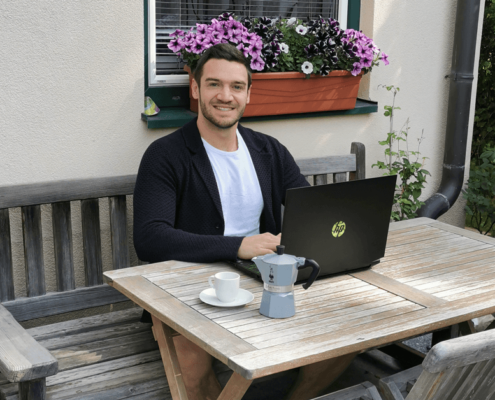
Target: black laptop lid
342, 226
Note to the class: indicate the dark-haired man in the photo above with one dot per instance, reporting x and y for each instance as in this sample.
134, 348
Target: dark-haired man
212, 191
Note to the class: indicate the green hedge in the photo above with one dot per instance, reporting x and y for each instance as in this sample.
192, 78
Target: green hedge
484, 122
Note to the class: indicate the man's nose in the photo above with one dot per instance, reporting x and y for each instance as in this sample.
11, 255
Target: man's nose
225, 94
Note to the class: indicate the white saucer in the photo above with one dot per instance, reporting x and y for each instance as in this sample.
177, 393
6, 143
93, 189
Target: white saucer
209, 296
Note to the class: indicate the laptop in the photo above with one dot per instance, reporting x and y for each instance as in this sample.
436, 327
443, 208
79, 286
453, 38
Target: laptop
342, 226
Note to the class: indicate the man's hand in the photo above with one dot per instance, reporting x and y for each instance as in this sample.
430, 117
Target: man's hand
258, 245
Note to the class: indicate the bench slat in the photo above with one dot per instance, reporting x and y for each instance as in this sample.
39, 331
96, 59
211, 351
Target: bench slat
340, 177
320, 179
118, 229
359, 151
6, 271
33, 251
69, 190
90, 212
26, 308
327, 165
62, 241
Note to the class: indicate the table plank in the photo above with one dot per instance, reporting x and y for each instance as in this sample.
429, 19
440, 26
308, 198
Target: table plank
411, 223
256, 322
149, 269
466, 233
216, 340
390, 265
410, 271
344, 341
391, 285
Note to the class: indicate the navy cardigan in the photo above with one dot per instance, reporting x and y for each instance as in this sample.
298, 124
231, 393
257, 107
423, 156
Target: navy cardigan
177, 208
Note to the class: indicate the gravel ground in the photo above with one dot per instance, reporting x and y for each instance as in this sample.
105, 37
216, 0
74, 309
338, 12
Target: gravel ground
421, 343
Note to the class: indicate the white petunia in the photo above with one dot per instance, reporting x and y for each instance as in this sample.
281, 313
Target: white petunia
291, 21
284, 48
301, 29
307, 67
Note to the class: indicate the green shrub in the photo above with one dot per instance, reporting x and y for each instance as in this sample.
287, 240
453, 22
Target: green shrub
480, 192
398, 161
484, 129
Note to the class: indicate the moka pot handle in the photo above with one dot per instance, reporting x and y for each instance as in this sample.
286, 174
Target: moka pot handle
314, 273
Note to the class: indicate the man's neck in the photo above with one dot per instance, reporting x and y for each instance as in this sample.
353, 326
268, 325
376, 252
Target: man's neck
222, 139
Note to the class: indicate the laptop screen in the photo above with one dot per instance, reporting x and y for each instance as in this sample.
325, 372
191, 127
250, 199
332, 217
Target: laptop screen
342, 226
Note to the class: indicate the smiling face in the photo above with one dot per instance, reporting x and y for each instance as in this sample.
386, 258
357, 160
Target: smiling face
223, 93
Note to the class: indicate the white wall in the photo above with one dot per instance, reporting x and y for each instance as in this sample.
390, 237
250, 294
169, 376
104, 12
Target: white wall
72, 89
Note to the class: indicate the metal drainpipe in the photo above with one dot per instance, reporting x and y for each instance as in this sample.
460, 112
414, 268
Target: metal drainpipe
461, 84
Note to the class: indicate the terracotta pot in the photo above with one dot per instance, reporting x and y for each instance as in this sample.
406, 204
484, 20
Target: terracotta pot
274, 93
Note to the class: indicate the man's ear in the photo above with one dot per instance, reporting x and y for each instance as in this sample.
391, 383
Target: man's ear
249, 94
194, 89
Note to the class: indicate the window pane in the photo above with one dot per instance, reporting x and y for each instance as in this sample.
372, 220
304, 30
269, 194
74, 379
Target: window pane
184, 14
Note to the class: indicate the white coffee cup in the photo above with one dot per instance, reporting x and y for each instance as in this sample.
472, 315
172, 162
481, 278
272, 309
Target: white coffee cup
226, 285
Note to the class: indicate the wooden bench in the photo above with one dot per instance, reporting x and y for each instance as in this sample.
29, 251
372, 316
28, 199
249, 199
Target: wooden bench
107, 356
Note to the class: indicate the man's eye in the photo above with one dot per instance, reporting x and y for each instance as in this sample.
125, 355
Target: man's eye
237, 87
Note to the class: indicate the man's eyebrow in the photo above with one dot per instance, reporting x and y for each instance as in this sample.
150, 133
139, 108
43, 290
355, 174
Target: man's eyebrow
218, 80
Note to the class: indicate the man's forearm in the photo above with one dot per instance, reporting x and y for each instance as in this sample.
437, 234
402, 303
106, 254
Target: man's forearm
159, 243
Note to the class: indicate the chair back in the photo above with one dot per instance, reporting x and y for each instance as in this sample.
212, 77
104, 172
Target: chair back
457, 369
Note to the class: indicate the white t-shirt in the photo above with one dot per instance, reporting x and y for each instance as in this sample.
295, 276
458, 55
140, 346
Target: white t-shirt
239, 188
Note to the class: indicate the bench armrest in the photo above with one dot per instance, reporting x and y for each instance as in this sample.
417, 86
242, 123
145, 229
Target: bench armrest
21, 357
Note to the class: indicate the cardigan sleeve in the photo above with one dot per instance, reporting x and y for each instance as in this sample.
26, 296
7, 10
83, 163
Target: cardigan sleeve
156, 237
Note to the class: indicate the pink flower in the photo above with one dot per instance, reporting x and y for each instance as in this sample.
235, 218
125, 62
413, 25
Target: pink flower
366, 61
356, 69
201, 29
176, 45
198, 47
257, 64
244, 50
384, 57
177, 32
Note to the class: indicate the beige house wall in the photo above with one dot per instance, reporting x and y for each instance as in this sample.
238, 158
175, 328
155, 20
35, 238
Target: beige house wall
72, 93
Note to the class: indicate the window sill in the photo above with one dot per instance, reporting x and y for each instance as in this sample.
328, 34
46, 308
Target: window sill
174, 117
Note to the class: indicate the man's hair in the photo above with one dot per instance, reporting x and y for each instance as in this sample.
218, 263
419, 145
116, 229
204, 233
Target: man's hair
222, 51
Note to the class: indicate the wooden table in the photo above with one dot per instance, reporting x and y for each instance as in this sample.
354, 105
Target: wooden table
433, 275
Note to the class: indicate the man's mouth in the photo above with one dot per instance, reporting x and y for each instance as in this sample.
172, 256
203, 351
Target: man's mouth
223, 108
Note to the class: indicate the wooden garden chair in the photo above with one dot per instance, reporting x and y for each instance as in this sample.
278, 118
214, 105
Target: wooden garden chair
456, 369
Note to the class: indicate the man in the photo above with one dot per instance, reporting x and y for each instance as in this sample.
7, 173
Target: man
212, 191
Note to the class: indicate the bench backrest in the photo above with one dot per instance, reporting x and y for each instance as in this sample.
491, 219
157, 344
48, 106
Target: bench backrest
59, 194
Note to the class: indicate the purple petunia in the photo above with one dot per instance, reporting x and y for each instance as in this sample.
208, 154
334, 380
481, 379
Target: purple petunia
366, 61
255, 48
244, 50
384, 57
177, 32
201, 29
356, 68
198, 47
257, 64
176, 45
363, 51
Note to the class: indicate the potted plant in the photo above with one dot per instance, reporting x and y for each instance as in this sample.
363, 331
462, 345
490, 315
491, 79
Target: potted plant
303, 67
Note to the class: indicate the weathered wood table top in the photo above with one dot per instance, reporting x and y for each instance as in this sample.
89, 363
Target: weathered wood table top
433, 275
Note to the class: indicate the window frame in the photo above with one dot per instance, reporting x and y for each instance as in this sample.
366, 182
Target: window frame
177, 94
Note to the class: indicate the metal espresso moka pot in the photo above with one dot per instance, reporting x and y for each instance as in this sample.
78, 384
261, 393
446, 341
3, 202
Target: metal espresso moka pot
279, 273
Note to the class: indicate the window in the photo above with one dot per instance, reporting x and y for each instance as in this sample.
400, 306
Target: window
166, 81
